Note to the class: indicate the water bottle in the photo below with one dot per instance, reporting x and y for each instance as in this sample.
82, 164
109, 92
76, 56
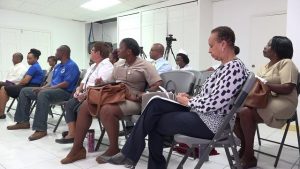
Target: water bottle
91, 140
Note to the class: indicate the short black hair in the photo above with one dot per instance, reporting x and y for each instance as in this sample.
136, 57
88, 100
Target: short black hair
19, 55
52, 58
35, 52
66, 49
132, 45
184, 57
115, 54
282, 46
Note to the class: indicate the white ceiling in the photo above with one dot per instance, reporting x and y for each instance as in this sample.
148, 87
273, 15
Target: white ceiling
70, 9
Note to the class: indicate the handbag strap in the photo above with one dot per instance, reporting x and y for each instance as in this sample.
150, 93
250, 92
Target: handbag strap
165, 91
91, 34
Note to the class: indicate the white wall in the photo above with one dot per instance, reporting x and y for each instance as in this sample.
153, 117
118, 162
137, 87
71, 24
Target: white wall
109, 32
63, 32
293, 27
153, 23
238, 14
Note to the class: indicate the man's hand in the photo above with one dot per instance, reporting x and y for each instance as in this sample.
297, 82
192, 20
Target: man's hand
39, 89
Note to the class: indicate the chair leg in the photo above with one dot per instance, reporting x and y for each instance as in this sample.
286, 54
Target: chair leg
297, 130
234, 151
33, 104
180, 165
204, 155
258, 135
125, 129
11, 104
100, 139
170, 152
228, 156
60, 118
281, 144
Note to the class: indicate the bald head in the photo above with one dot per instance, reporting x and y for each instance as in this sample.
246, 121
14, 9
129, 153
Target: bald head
65, 49
157, 51
63, 53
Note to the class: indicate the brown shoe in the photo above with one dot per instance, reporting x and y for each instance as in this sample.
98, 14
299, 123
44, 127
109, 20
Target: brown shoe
19, 125
37, 135
70, 159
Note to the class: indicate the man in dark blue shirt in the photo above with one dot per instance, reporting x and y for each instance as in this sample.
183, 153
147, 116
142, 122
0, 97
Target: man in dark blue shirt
64, 80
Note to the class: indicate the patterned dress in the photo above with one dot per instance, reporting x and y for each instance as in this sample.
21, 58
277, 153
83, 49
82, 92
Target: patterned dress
213, 101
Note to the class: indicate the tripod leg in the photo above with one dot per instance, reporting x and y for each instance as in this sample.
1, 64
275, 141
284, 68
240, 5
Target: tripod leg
173, 53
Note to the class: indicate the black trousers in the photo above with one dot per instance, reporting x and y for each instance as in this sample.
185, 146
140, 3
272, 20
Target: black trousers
72, 108
162, 118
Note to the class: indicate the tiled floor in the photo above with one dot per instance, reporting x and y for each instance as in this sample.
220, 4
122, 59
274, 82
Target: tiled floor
16, 152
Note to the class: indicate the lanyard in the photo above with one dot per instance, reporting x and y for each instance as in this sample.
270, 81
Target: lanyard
87, 79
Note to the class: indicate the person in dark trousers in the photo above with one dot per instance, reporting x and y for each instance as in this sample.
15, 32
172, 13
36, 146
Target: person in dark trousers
204, 112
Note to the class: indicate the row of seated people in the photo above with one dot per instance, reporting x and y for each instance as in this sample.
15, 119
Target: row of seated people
204, 111
19, 76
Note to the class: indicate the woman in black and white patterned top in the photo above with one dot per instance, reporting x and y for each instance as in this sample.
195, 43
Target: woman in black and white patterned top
199, 116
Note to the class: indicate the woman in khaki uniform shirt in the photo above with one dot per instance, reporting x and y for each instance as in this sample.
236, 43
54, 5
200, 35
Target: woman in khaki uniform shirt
136, 73
281, 75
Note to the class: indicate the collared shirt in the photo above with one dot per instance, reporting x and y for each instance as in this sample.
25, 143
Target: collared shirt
36, 73
186, 67
67, 72
137, 75
103, 70
16, 73
162, 65
49, 75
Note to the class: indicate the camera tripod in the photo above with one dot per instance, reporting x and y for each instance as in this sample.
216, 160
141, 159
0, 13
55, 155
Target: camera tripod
142, 53
167, 51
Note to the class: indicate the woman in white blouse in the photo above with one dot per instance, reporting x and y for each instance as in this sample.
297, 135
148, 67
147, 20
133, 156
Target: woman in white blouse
182, 60
100, 71
204, 112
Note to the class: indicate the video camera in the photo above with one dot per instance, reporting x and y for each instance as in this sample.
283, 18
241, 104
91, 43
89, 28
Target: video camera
170, 38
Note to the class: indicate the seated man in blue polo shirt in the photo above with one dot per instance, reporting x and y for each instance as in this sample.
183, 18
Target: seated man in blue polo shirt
64, 80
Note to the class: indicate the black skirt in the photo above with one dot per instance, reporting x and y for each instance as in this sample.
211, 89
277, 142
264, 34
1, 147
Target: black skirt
14, 91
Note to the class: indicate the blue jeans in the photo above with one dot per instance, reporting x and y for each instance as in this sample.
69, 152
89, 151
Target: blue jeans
162, 118
44, 99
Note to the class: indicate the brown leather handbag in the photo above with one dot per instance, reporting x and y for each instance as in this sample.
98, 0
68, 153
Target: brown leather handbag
258, 96
107, 94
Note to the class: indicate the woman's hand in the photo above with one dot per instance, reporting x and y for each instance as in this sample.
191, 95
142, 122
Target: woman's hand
81, 97
98, 81
182, 99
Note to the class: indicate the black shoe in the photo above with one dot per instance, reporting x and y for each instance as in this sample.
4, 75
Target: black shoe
3, 116
119, 159
64, 140
129, 129
64, 133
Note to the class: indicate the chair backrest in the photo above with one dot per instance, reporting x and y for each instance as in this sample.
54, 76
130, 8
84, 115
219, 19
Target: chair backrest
178, 81
237, 104
81, 76
201, 76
